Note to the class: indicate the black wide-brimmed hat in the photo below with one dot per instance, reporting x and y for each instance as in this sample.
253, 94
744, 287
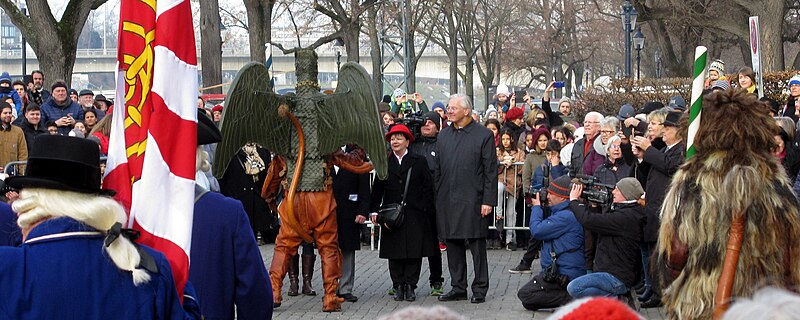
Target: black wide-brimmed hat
62, 163
207, 131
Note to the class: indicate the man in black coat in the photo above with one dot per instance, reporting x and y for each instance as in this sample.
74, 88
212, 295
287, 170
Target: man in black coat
663, 165
31, 124
426, 147
351, 192
466, 191
617, 259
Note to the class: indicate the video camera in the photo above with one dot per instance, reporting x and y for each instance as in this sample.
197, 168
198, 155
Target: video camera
414, 122
594, 191
539, 189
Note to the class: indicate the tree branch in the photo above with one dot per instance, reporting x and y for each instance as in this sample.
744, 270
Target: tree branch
314, 45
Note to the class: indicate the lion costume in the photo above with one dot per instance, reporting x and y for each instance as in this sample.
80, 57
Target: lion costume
733, 172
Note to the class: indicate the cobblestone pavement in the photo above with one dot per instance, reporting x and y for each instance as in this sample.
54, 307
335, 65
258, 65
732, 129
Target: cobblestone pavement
372, 283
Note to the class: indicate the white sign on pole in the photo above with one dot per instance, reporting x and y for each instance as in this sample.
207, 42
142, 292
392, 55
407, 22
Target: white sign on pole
755, 52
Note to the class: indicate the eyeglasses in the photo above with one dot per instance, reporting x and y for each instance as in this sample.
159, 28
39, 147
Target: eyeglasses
613, 147
586, 123
606, 131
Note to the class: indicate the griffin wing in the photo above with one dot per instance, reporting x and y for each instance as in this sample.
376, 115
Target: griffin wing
251, 115
350, 115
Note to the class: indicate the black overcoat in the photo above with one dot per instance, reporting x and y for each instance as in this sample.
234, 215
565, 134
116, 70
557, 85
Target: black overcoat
414, 238
235, 183
663, 165
466, 179
351, 192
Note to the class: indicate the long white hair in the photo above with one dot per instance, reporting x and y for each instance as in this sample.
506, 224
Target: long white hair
98, 212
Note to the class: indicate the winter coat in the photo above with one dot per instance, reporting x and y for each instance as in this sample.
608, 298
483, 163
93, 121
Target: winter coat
532, 161
663, 164
555, 171
562, 232
618, 235
510, 176
52, 112
592, 161
611, 173
578, 156
30, 132
426, 147
14, 96
10, 235
552, 116
227, 267
235, 183
12, 145
466, 170
414, 238
352, 195
61, 271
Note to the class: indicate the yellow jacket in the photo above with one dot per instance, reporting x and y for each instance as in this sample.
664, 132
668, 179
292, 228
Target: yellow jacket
12, 145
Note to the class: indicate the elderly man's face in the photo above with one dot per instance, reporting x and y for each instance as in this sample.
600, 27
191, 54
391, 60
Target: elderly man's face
455, 112
591, 126
60, 94
86, 100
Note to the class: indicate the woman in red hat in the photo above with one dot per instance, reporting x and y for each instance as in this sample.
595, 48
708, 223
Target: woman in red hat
406, 245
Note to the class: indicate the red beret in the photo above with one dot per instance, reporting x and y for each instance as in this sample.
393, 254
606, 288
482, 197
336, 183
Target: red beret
217, 108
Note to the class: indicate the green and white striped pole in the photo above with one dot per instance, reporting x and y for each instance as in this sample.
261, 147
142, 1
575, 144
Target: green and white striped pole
697, 98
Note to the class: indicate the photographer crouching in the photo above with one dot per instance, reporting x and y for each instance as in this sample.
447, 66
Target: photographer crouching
616, 262
554, 224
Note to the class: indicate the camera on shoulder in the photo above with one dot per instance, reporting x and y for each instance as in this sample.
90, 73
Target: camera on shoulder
594, 191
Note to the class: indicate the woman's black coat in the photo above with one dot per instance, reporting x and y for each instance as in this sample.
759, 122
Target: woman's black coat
414, 239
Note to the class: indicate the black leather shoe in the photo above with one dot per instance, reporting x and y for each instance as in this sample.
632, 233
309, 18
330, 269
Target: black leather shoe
401, 293
648, 292
453, 296
349, 297
410, 294
478, 300
654, 302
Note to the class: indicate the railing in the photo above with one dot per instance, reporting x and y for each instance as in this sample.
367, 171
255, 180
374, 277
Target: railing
505, 200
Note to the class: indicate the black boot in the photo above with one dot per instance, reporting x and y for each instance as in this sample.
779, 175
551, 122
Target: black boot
646, 294
400, 294
410, 294
294, 281
308, 273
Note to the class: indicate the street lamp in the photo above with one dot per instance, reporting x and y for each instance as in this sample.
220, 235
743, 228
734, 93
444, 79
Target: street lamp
24, 45
638, 43
629, 23
338, 44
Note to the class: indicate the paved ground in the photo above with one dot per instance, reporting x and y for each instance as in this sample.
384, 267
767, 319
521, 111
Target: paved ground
372, 282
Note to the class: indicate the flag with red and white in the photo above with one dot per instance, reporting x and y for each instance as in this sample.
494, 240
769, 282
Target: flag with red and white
151, 154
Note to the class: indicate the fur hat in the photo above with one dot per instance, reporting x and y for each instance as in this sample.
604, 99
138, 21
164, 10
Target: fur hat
560, 187
718, 66
630, 188
514, 114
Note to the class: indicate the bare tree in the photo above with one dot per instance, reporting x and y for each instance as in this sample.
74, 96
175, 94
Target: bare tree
259, 26
211, 44
444, 33
53, 41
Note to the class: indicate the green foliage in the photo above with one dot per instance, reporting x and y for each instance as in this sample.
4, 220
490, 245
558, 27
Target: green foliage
608, 100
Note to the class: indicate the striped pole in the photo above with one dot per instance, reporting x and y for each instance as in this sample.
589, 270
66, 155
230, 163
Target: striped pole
697, 98
268, 52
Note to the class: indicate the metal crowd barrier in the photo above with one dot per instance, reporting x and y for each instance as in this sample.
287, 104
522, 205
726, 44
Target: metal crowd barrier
508, 224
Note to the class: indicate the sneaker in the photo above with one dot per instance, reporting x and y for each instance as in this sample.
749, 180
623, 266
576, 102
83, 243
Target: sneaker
442, 247
436, 289
520, 269
392, 292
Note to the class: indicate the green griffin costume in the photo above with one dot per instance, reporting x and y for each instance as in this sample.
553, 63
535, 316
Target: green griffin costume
305, 131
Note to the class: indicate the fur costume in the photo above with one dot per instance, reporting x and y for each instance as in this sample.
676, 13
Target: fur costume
732, 172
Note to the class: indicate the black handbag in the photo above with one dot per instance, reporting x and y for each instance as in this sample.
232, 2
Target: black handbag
391, 215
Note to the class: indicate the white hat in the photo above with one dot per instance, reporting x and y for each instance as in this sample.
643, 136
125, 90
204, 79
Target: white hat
503, 89
718, 66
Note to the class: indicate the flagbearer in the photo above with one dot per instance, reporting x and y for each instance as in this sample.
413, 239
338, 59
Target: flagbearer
76, 262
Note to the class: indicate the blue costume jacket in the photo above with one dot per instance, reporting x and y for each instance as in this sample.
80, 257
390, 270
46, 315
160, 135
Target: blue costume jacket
562, 232
9, 231
62, 272
226, 265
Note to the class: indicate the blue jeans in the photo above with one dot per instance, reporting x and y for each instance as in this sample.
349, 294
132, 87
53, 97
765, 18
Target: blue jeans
598, 284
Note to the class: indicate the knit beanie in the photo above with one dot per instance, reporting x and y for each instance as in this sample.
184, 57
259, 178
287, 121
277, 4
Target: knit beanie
438, 105
58, 84
794, 80
630, 188
721, 84
5, 78
398, 92
560, 187
435, 117
596, 308
718, 66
